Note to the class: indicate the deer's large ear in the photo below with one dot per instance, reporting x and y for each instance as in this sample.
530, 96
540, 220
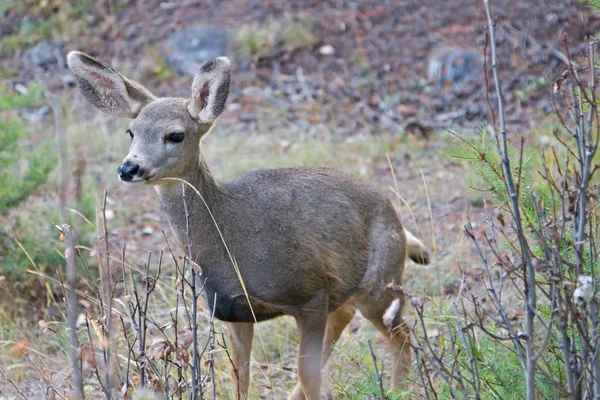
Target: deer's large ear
209, 90
105, 88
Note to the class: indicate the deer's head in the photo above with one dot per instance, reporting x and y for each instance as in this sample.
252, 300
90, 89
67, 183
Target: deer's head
165, 132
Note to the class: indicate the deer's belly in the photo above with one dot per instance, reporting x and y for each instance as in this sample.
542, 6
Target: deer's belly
236, 309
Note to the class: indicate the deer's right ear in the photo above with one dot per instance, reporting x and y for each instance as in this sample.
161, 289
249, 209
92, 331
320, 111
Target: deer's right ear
105, 88
209, 90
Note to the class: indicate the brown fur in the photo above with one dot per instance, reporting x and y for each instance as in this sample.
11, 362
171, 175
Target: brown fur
310, 242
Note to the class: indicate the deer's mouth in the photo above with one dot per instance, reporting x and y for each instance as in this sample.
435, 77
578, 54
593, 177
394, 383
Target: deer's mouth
144, 180
140, 177
150, 177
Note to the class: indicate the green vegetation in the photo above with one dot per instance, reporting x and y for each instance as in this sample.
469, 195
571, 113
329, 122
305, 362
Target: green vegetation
499, 371
485, 162
24, 166
29, 33
547, 183
27, 160
20, 176
48, 19
259, 39
536, 175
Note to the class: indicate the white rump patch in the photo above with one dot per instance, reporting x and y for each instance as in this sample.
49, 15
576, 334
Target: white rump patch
390, 314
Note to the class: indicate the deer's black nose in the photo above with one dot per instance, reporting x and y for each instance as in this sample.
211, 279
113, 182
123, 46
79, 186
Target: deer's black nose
127, 171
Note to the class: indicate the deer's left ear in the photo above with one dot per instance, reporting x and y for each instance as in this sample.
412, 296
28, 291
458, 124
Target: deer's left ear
209, 90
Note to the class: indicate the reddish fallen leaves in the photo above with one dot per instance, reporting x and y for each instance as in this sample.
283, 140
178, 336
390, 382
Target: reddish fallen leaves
161, 349
86, 353
19, 348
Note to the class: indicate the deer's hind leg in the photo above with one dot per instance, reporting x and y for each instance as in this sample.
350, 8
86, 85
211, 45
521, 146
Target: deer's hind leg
386, 265
398, 334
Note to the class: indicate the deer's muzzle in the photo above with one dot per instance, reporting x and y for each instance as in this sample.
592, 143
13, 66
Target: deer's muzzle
128, 171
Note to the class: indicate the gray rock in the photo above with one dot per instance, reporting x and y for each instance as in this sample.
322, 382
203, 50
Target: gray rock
449, 65
43, 54
185, 51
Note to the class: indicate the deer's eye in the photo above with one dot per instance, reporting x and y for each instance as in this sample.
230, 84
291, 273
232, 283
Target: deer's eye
175, 137
129, 133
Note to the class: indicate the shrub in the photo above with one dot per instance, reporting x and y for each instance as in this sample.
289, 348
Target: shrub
26, 163
20, 175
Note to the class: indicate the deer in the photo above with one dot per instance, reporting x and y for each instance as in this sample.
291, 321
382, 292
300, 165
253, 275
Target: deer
309, 242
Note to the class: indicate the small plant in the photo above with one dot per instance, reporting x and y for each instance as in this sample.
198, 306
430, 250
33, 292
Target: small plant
26, 164
19, 176
43, 20
29, 33
259, 40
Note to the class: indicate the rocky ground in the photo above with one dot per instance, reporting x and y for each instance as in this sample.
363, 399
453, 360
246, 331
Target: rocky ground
359, 66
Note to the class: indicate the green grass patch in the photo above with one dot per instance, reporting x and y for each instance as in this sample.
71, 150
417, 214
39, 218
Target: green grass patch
259, 39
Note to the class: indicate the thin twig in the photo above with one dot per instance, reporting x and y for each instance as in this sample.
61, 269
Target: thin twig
528, 269
377, 374
196, 363
12, 383
108, 293
72, 308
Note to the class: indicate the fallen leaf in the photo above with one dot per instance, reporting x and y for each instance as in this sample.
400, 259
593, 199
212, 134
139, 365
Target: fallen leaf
407, 111
19, 348
126, 391
156, 386
86, 353
44, 326
161, 349
185, 338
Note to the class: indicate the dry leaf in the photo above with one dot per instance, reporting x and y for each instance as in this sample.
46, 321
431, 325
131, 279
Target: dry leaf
517, 313
185, 338
500, 217
558, 85
157, 386
182, 357
81, 319
406, 110
19, 348
86, 353
126, 391
44, 326
161, 349
50, 395
165, 326
85, 303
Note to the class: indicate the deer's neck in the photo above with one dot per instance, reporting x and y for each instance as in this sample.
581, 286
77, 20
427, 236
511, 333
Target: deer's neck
203, 208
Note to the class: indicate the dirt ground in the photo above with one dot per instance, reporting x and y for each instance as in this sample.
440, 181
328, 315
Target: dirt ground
349, 109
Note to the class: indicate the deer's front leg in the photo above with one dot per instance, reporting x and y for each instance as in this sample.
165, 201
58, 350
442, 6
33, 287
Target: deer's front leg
311, 331
241, 335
